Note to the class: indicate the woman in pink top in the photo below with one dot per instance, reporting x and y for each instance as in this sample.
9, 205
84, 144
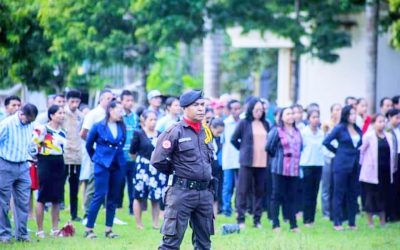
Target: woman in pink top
249, 138
377, 167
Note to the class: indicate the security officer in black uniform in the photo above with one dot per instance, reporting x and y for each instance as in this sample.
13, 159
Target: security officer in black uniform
185, 152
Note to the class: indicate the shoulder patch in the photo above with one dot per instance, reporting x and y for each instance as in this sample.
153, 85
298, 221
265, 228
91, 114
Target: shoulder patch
166, 144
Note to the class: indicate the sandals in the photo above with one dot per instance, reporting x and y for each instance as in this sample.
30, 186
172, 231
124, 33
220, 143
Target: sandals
89, 235
41, 234
110, 235
55, 233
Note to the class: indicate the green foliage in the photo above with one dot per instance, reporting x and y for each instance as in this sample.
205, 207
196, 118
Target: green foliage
166, 22
395, 23
319, 29
169, 73
95, 31
24, 55
238, 66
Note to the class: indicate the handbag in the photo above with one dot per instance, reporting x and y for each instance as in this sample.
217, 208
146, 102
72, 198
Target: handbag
68, 230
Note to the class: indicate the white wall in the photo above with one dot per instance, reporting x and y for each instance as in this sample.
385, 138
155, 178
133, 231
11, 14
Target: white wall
326, 83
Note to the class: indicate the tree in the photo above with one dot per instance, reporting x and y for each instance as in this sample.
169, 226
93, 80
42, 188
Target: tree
165, 23
372, 16
100, 33
395, 23
24, 50
315, 27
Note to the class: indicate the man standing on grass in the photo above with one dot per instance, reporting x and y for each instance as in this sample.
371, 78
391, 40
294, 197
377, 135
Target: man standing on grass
15, 138
185, 151
131, 121
73, 148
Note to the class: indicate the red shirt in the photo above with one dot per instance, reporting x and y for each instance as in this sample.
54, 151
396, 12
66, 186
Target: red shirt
196, 126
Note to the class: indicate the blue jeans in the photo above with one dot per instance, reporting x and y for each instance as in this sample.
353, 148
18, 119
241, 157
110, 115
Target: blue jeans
230, 180
15, 180
107, 182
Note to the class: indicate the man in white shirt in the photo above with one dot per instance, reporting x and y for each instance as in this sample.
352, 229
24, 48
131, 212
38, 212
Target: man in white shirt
230, 157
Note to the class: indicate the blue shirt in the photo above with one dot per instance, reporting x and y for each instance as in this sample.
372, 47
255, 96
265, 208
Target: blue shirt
131, 121
312, 154
15, 139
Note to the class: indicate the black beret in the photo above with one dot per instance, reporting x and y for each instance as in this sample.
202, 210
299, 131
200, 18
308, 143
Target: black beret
190, 97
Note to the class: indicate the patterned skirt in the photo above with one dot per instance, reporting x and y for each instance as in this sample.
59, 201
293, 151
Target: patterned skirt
148, 182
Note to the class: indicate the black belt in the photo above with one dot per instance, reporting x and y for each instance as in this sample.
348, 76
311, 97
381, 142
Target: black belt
190, 184
13, 162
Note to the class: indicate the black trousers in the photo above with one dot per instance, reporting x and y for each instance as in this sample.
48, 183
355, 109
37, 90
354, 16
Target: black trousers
72, 173
268, 193
284, 193
310, 183
183, 206
128, 175
251, 177
345, 190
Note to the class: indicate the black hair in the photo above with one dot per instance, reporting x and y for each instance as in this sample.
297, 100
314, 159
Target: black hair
140, 110
125, 92
30, 110
382, 101
334, 105
312, 106
145, 114
249, 99
348, 98
298, 106
249, 112
73, 93
170, 101
217, 122
104, 91
359, 100
280, 121
52, 110
209, 110
344, 117
375, 117
396, 99
11, 98
112, 105
59, 95
311, 112
231, 102
277, 111
392, 112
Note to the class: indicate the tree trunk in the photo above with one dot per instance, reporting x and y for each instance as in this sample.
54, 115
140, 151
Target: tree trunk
212, 46
142, 92
372, 16
296, 59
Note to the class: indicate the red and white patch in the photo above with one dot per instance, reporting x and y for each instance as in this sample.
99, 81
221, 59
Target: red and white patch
166, 144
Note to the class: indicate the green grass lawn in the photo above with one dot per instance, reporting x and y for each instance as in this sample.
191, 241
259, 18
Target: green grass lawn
321, 236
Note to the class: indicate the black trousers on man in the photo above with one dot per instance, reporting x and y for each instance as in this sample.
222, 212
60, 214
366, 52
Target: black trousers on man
251, 177
311, 181
184, 205
72, 173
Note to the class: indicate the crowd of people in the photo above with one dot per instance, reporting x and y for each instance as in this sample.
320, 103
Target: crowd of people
266, 159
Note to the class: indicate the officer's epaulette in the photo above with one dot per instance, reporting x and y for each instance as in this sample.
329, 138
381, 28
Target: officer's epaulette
209, 135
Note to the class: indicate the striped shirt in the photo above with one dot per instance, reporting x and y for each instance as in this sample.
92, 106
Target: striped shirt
15, 139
